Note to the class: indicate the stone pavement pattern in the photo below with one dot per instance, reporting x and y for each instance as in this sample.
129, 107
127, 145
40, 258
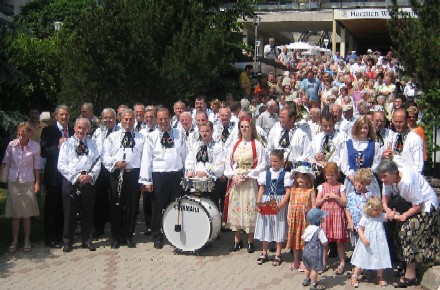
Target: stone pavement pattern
148, 268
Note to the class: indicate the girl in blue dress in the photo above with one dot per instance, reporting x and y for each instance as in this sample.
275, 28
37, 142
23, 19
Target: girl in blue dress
356, 201
371, 251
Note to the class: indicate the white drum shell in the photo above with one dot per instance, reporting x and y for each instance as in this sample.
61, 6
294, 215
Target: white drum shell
200, 223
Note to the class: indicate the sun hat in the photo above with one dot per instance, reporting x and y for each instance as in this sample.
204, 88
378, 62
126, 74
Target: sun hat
315, 215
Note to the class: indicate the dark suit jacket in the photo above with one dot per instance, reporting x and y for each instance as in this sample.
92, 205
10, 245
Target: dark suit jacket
50, 137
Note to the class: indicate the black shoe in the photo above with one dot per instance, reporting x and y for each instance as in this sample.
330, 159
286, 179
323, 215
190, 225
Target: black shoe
251, 248
147, 232
53, 245
158, 243
98, 233
67, 248
224, 230
115, 244
131, 244
236, 247
405, 282
89, 245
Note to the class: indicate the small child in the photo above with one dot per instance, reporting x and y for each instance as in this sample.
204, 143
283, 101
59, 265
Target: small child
274, 185
332, 199
302, 199
356, 201
371, 251
315, 241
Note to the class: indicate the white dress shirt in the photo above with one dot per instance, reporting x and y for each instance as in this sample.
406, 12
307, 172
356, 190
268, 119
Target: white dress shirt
216, 159
157, 158
299, 148
412, 153
335, 146
100, 135
71, 164
114, 151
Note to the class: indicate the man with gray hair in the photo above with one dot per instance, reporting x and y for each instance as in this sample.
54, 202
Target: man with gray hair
315, 121
269, 118
87, 112
102, 207
78, 162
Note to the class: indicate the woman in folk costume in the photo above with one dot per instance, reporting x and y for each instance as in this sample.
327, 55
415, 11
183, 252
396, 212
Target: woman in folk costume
245, 160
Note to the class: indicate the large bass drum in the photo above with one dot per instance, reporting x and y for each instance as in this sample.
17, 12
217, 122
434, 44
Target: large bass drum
191, 222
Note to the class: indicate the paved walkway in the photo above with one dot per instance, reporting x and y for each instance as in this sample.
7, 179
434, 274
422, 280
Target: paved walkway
148, 268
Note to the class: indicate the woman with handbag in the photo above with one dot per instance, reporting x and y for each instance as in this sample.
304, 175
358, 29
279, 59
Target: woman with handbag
417, 236
23, 158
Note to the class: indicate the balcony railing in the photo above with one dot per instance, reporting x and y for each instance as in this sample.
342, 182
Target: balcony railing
292, 5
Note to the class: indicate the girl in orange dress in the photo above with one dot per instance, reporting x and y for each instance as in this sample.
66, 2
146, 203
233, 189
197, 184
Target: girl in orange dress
302, 199
332, 199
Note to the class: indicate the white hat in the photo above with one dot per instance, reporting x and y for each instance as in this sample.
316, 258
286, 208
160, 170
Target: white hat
44, 116
346, 108
305, 167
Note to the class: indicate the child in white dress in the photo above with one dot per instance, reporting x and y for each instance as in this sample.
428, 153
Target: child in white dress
371, 251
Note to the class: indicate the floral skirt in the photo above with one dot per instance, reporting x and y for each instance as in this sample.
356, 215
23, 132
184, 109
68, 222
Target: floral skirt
418, 238
242, 212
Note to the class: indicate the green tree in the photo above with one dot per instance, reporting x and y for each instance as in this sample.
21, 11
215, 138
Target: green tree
416, 42
126, 51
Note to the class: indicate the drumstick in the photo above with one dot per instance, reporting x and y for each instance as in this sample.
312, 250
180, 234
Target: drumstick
178, 226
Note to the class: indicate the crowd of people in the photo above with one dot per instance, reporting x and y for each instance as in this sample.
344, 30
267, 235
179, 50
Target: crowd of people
327, 155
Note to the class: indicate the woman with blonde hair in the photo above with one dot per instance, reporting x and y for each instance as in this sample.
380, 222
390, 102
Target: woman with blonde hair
361, 151
23, 157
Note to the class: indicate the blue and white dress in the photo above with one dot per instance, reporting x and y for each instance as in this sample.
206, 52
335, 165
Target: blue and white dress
355, 205
376, 255
273, 227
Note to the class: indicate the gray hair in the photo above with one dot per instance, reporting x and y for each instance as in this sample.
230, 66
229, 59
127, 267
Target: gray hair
245, 103
61, 107
128, 111
387, 166
185, 113
81, 119
88, 105
108, 110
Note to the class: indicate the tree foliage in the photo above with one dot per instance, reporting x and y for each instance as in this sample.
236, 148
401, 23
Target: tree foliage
152, 51
416, 41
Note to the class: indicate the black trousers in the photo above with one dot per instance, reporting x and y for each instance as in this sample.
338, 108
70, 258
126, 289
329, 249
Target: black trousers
53, 214
123, 215
218, 195
166, 188
147, 208
72, 202
102, 209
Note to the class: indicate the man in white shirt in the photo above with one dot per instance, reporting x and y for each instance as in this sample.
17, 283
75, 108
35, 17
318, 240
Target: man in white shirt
79, 164
102, 208
407, 145
269, 118
163, 159
289, 137
122, 157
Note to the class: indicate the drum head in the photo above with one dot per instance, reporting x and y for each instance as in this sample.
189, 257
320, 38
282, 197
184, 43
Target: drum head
195, 225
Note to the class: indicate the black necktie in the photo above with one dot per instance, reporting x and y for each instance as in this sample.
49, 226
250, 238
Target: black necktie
379, 139
81, 149
225, 133
138, 126
326, 145
284, 141
109, 131
151, 130
128, 141
187, 133
175, 124
202, 155
166, 141
398, 147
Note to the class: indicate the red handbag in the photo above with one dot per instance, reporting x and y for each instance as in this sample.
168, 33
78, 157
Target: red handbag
268, 209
